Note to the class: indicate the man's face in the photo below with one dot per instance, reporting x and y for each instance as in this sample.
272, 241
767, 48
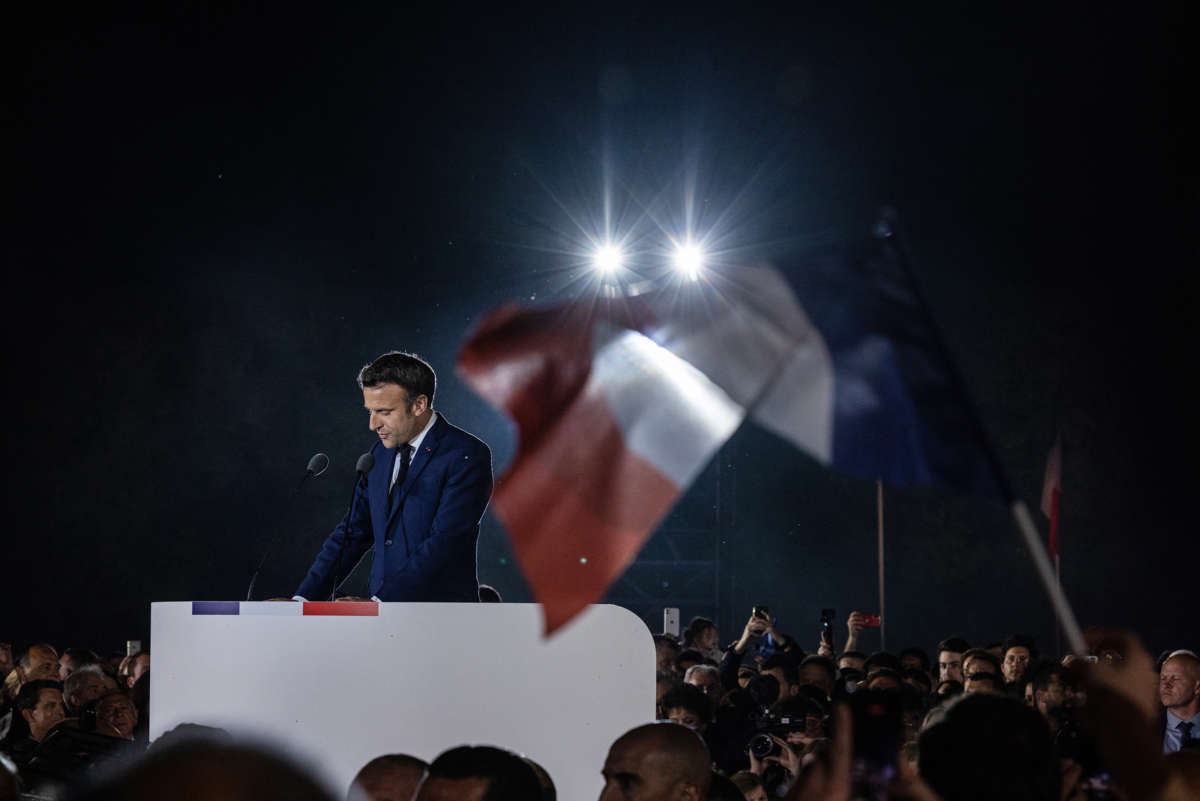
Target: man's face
1052, 696
1016, 659
978, 684
116, 716
392, 416
975, 664
93, 687
635, 771
686, 717
140, 665
47, 712
708, 683
43, 664
664, 658
785, 690
1178, 683
438, 788
855, 662
950, 666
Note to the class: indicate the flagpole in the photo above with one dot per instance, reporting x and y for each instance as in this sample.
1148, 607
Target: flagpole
882, 606
885, 230
1057, 622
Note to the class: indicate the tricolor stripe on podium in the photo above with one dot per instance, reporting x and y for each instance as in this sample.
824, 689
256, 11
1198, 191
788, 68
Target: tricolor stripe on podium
300, 609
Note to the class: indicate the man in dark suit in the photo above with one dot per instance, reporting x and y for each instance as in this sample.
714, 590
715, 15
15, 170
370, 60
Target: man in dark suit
420, 505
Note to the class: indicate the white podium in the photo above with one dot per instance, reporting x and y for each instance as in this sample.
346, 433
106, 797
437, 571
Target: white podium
336, 685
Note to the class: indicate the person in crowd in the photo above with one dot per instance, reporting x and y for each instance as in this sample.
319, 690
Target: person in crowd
1179, 692
983, 682
83, 687
686, 659
950, 652
391, 777
707, 679
1049, 687
479, 773
74, 658
40, 703
664, 682
851, 660
1019, 653
702, 635
820, 672
884, 679
665, 651
688, 706
979, 660
785, 672
194, 768
913, 658
549, 791
116, 716
38, 662
657, 762
750, 784
731, 665
919, 680
132, 668
989, 747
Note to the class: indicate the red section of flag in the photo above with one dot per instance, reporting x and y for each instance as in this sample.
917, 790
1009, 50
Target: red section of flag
577, 504
1051, 493
342, 608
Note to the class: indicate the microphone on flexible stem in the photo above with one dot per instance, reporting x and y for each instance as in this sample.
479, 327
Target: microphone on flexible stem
317, 465
362, 467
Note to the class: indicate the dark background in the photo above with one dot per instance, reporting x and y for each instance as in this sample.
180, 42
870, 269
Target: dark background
221, 211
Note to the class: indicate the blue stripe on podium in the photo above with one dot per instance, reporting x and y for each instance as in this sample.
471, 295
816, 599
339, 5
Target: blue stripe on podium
214, 607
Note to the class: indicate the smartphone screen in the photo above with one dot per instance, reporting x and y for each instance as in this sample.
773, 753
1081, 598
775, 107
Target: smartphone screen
878, 734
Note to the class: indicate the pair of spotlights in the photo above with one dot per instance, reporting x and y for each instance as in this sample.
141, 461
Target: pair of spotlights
687, 258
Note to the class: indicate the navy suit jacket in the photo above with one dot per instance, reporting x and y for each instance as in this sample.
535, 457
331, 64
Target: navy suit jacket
424, 550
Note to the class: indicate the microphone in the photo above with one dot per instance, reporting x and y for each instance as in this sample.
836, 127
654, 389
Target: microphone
317, 465
363, 466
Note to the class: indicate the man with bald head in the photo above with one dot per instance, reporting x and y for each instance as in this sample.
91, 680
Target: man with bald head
657, 762
1179, 691
391, 777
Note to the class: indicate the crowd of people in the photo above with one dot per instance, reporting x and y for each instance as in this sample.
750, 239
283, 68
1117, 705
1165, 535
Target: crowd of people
758, 719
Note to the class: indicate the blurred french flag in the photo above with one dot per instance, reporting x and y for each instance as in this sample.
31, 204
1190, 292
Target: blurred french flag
619, 403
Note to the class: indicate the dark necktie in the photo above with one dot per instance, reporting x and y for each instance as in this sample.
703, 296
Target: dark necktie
405, 455
1185, 733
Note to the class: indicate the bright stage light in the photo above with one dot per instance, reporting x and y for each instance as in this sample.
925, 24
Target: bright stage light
688, 260
608, 259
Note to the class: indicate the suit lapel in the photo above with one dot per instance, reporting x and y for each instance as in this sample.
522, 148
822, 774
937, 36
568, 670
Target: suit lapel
420, 458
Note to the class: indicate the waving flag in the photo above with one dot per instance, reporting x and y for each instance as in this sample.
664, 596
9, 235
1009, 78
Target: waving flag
621, 403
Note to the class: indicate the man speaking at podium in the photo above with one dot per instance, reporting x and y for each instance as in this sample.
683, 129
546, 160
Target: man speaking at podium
421, 502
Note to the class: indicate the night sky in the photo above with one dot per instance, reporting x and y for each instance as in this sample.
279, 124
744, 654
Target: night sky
221, 213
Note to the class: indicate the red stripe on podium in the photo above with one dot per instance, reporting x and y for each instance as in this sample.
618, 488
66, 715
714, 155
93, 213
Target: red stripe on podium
342, 608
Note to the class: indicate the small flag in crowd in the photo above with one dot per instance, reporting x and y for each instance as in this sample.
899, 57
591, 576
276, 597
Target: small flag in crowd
1052, 492
620, 404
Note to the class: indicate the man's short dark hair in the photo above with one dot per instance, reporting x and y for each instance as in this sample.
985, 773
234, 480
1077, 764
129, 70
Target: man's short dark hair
853, 655
791, 673
666, 639
1021, 641
919, 653
986, 656
691, 698
409, 371
990, 748
955, 645
27, 698
509, 777
882, 659
823, 662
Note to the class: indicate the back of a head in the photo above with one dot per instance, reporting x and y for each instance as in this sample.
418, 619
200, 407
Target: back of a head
677, 749
202, 770
509, 777
989, 748
391, 777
